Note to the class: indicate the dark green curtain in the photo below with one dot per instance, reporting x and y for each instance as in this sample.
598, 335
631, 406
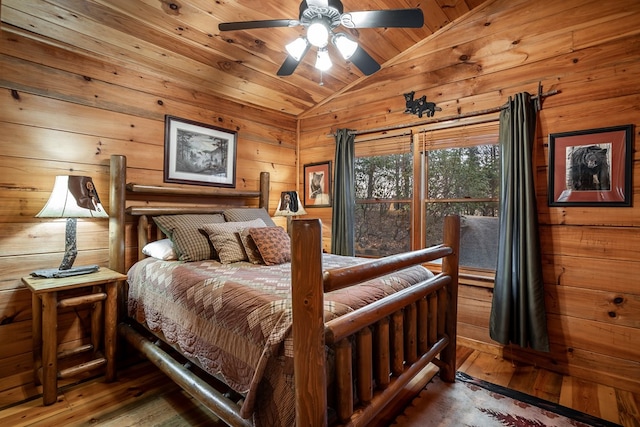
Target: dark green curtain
517, 313
344, 198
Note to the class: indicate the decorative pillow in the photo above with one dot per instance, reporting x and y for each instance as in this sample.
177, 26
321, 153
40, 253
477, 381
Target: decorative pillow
190, 243
250, 248
273, 243
226, 239
248, 214
161, 249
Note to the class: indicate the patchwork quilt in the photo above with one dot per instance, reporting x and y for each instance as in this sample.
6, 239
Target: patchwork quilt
235, 319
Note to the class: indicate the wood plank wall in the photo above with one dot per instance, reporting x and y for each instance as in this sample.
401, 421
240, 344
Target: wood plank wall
590, 52
64, 112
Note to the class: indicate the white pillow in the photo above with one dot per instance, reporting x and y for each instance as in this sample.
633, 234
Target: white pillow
161, 249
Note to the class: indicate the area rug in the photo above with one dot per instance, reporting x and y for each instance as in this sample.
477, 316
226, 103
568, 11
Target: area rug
476, 403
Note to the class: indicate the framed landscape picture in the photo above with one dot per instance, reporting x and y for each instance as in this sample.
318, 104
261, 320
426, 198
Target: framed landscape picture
591, 167
197, 153
317, 185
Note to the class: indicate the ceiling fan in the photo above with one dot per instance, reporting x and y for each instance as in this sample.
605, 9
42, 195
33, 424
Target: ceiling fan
321, 18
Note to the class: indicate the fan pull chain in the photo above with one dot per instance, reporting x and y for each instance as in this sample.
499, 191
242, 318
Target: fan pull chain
321, 81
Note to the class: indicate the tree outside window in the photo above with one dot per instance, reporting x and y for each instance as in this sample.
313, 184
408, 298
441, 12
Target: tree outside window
384, 187
456, 172
465, 181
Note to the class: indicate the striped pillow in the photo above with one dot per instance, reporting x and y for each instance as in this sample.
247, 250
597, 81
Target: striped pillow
247, 214
190, 243
226, 239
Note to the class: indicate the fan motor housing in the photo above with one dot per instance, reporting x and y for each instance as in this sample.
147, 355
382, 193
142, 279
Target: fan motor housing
331, 13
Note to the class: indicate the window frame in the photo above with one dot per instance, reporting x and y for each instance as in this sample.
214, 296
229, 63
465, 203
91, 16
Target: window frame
474, 134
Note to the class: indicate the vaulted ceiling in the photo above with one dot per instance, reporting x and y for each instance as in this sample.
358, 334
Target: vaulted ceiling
180, 40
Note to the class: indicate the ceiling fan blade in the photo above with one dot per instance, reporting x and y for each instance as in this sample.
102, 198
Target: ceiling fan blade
397, 18
290, 64
247, 25
364, 61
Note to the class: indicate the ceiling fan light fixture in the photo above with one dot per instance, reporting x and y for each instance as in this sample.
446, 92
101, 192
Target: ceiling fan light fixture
321, 18
318, 33
323, 62
345, 45
297, 48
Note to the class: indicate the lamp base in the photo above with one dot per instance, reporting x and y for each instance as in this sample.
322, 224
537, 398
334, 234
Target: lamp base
73, 271
289, 225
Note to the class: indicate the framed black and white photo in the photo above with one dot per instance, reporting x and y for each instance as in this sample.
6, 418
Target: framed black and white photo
317, 185
591, 167
197, 153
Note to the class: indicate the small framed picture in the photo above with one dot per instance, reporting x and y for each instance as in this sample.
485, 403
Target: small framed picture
197, 153
591, 167
317, 185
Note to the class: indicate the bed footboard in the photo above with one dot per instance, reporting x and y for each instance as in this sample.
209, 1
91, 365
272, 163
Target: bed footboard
393, 338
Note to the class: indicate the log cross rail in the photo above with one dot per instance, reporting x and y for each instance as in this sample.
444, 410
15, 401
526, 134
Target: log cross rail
184, 191
339, 278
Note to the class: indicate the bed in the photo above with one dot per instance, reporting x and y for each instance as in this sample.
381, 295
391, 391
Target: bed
315, 340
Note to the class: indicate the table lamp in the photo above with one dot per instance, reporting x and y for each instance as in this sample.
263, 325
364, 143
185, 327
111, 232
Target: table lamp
289, 206
72, 197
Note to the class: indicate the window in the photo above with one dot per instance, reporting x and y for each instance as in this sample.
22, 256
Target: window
462, 175
384, 191
404, 190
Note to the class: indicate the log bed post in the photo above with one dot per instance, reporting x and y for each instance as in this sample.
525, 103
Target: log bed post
308, 323
117, 200
263, 202
450, 267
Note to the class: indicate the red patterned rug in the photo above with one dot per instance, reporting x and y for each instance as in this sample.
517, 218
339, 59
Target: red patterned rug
473, 402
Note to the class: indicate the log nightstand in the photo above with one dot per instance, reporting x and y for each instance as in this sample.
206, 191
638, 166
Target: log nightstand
102, 286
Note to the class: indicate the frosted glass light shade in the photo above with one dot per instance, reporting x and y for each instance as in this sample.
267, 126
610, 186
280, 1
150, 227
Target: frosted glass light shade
345, 45
323, 62
318, 34
297, 48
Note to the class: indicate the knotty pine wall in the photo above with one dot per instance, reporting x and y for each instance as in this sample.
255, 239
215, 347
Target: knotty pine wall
62, 112
590, 52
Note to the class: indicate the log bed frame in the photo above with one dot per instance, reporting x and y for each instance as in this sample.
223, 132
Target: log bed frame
395, 338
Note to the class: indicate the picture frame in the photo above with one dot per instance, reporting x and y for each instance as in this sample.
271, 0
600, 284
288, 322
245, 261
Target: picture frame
198, 153
317, 185
591, 167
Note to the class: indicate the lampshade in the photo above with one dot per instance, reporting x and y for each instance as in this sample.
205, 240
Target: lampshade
289, 204
73, 197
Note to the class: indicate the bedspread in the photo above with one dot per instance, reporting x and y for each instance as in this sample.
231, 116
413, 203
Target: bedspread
235, 320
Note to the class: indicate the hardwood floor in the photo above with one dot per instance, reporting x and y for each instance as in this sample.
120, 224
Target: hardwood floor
143, 396
601, 401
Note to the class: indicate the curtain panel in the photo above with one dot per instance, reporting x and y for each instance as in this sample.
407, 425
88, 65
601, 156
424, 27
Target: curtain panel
518, 313
343, 220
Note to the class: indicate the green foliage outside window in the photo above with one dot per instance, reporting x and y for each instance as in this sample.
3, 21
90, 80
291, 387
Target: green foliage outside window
463, 181
384, 187
460, 180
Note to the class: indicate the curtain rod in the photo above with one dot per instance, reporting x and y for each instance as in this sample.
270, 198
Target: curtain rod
539, 96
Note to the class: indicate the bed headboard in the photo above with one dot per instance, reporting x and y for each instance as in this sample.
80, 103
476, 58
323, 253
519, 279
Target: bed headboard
212, 200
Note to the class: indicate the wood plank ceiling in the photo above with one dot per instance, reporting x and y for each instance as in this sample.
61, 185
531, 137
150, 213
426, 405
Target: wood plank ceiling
179, 40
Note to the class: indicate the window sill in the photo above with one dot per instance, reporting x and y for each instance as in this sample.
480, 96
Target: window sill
479, 278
